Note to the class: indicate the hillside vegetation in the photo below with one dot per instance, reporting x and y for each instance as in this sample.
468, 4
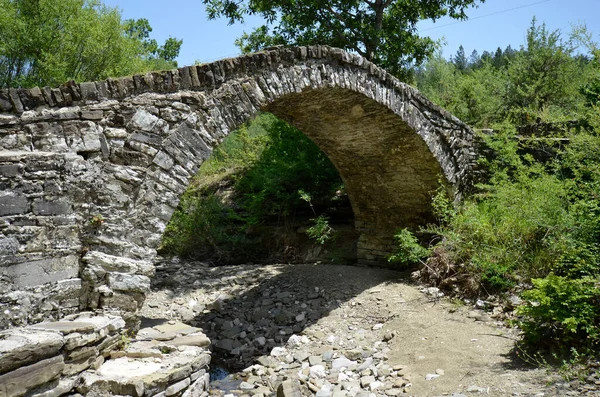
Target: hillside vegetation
533, 228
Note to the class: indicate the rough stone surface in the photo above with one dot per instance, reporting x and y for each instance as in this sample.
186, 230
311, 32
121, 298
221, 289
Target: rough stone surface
92, 173
19, 381
52, 359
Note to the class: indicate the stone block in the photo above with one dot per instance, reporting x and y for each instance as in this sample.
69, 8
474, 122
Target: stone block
52, 207
65, 327
126, 302
76, 339
10, 170
5, 104
128, 282
24, 379
196, 339
92, 114
20, 347
9, 246
40, 272
88, 91
111, 263
56, 388
177, 387
143, 120
13, 204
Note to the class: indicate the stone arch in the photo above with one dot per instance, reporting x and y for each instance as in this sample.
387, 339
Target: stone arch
125, 150
391, 147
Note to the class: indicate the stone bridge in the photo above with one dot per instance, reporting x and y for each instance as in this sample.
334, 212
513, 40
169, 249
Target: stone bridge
91, 173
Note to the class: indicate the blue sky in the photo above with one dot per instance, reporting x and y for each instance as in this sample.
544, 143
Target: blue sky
496, 23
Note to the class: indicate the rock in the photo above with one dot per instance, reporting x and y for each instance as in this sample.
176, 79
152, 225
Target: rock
294, 340
366, 381
342, 362
327, 356
224, 344
245, 386
366, 364
289, 388
301, 356
278, 351
196, 339
314, 360
177, 387
19, 347
477, 389
431, 376
324, 391
317, 371
26, 378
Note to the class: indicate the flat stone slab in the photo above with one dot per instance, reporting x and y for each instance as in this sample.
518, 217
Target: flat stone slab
21, 346
179, 328
146, 376
24, 379
66, 327
196, 339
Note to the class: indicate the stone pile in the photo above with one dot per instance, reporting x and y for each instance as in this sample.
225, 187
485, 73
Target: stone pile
337, 371
47, 359
92, 355
265, 323
168, 359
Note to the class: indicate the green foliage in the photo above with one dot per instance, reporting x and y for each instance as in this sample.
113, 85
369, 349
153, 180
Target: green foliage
442, 204
48, 42
320, 231
543, 74
562, 311
409, 250
544, 80
514, 233
204, 227
264, 174
290, 162
384, 32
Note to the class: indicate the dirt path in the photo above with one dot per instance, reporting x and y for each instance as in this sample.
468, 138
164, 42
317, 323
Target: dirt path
295, 321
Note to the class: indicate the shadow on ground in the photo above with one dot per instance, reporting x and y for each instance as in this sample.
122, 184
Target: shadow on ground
249, 309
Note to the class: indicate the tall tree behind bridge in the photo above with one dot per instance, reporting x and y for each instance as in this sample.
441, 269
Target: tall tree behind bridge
48, 42
383, 31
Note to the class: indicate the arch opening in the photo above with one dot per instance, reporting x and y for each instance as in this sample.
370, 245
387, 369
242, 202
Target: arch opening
267, 194
387, 168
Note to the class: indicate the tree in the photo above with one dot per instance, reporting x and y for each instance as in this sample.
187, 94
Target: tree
383, 31
474, 59
48, 42
140, 29
460, 59
543, 75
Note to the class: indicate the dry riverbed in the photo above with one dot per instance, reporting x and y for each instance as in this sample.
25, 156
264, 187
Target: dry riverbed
341, 331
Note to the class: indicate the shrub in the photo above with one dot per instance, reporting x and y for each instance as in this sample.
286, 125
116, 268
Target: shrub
562, 312
409, 250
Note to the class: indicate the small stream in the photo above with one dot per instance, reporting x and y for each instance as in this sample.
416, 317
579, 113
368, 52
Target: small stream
223, 380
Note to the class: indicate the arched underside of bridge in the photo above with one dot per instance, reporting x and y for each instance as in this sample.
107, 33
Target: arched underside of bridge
92, 172
387, 168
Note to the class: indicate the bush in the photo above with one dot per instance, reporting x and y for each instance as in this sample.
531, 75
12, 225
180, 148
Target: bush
562, 312
409, 250
513, 233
